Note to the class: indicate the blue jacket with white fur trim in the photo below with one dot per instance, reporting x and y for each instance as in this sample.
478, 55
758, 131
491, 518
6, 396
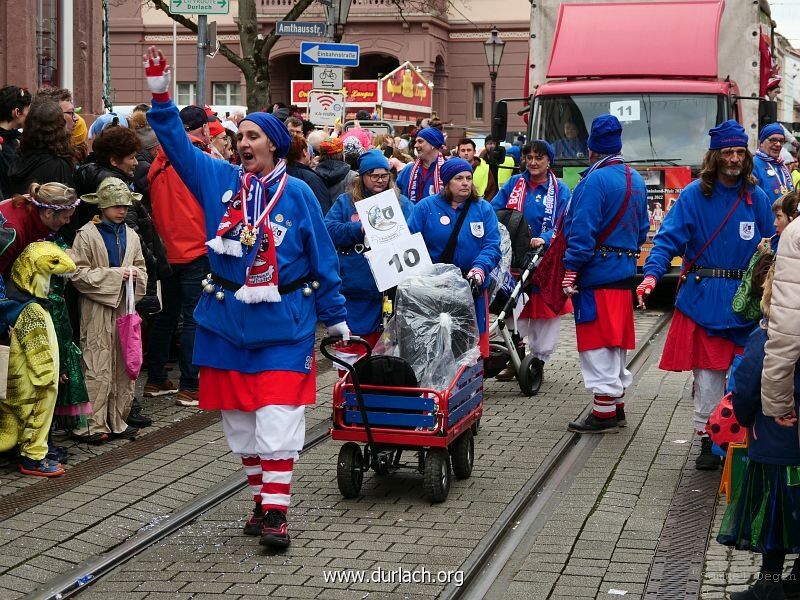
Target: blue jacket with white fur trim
266, 336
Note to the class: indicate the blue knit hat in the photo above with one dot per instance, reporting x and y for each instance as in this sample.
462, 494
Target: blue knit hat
433, 136
727, 135
106, 120
768, 130
515, 152
369, 161
453, 167
274, 129
606, 135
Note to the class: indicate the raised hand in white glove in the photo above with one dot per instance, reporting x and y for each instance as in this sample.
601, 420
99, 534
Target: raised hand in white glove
340, 329
156, 70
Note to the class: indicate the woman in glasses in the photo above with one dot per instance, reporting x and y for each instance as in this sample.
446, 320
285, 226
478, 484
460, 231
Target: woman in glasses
363, 300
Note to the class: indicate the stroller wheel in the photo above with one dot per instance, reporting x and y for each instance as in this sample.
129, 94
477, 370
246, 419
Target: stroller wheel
437, 474
350, 470
463, 454
530, 375
476, 427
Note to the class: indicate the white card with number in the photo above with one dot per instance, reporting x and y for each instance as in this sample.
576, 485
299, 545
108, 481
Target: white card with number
391, 264
383, 220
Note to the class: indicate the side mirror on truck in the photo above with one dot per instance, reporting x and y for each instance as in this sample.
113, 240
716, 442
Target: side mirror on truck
767, 112
500, 121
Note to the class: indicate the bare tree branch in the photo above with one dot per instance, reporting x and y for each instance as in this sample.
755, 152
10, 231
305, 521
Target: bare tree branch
265, 46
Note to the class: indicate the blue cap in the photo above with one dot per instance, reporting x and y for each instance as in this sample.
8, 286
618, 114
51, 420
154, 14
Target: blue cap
453, 167
369, 161
768, 130
106, 120
274, 129
433, 136
727, 135
606, 135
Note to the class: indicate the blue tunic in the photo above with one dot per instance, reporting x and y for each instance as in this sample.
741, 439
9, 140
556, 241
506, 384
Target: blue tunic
251, 338
363, 300
690, 222
478, 243
534, 206
424, 186
774, 185
596, 200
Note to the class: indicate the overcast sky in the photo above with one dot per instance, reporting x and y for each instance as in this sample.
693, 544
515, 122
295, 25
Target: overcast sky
786, 13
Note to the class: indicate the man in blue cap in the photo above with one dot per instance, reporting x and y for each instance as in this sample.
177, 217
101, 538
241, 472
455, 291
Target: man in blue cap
605, 226
769, 169
423, 178
715, 225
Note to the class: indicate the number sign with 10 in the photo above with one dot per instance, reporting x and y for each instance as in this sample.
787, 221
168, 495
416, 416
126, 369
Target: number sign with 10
408, 256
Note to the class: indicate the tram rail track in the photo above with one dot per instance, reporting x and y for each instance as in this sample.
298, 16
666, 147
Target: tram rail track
480, 568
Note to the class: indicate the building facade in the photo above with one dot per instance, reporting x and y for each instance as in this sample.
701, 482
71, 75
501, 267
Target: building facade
443, 38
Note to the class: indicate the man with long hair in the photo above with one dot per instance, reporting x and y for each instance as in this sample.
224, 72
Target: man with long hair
716, 226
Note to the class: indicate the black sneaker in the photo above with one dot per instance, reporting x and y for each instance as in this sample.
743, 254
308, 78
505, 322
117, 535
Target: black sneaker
621, 420
706, 460
274, 530
765, 588
130, 433
253, 525
592, 424
137, 419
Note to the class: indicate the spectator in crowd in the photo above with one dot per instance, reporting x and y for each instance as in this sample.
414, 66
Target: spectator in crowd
297, 165
363, 300
477, 244
45, 149
220, 144
294, 125
423, 178
308, 127
332, 168
180, 222
482, 177
107, 254
144, 157
80, 137
716, 224
769, 168
63, 97
773, 454
104, 121
15, 103
27, 410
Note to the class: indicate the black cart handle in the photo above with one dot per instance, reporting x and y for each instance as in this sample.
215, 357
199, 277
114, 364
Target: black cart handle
335, 339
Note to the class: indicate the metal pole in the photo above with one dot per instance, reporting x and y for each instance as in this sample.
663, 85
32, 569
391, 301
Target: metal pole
202, 43
66, 45
331, 11
493, 77
175, 61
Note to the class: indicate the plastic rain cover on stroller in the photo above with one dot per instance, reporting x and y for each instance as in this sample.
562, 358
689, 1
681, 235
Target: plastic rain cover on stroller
434, 327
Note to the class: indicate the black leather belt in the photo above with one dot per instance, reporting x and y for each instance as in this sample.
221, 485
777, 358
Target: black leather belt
347, 250
715, 272
606, 250
232, 286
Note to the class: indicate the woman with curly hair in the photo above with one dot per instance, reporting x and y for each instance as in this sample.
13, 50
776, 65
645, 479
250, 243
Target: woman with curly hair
46, 154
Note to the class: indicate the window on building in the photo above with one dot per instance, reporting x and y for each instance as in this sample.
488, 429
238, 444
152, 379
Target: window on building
47, 43
186, 93
477, 101
227, 93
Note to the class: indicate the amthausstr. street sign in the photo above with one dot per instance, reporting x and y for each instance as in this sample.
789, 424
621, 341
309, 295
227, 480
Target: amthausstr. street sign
338, 55
199, 7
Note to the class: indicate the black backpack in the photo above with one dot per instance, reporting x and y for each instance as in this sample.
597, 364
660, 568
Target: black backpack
519, 232
390, 371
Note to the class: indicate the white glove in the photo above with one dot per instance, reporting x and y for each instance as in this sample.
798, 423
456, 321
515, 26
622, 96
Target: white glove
157, 71
340, 329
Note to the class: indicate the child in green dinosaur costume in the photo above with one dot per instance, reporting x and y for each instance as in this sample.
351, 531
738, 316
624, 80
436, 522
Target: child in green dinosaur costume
33, 368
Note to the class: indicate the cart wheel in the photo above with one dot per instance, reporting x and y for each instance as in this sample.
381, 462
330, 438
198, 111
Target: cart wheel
475, 427
463, 454
350, 470
530, 375
437, 474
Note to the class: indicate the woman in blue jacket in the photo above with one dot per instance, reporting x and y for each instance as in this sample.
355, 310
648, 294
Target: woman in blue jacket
364, 302
477, 248
273, 276
765, 515
542, 198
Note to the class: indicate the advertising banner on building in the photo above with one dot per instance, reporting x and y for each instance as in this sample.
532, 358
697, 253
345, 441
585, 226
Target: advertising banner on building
359, 93
406, 93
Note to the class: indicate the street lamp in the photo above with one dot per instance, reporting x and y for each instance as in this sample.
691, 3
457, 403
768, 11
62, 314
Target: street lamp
494, 47
337, 12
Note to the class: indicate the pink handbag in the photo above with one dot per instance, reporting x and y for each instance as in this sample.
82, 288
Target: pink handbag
129, 332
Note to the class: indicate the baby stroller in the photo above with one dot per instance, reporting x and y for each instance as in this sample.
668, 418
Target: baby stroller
523, 263
418, 400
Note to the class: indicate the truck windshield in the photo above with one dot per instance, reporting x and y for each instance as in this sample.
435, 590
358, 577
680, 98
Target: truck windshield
657, 128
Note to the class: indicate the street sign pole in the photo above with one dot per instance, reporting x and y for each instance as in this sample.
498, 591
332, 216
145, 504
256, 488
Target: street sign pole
202, 42
330, 11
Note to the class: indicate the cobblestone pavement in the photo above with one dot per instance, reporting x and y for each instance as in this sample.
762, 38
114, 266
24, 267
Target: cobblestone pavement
391, 525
